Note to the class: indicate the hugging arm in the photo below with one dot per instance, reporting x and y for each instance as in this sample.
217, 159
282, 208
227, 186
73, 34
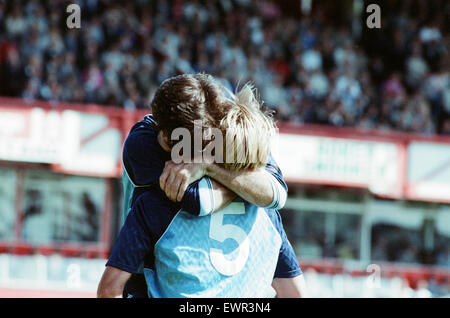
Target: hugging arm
262, 187
206, 196
142, 162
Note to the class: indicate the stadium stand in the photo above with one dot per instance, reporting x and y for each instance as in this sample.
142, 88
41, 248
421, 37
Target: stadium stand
317, 69
371, 108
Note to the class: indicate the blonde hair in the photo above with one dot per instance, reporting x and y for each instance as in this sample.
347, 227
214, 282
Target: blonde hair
248, 129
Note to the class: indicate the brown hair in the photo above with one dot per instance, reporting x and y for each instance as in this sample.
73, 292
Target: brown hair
183, 99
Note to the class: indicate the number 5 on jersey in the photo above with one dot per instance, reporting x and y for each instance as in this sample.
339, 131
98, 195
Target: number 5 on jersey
221, 232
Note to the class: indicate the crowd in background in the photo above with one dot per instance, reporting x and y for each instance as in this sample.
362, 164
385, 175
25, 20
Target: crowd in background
311, 67
320, 66
319, 235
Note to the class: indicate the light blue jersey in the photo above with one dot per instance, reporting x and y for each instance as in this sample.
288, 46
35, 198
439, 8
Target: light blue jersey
229, 238
230, 253
235, 252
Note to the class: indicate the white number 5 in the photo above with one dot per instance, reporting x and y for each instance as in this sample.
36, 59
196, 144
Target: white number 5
220, 232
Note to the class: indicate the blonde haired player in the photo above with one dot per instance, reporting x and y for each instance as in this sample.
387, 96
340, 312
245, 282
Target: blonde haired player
208, 256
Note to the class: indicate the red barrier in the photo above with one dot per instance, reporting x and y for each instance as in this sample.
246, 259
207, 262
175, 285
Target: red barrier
412, 273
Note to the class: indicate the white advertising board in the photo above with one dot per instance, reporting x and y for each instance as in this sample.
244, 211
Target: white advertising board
74, 141
340, 161
428, 175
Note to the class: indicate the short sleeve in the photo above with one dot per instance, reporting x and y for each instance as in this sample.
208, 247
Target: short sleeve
279, 186
134, 240
287, 265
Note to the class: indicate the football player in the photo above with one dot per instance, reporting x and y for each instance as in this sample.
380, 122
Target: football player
193, 187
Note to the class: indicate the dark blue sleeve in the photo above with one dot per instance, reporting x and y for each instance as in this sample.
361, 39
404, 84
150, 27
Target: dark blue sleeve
273, 169
146, 222
287, 266
191, 199
198, 199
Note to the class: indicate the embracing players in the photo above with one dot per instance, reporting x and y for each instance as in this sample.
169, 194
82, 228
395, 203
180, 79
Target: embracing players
239, 251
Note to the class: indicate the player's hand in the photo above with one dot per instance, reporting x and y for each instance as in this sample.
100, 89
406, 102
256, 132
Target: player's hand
175, 178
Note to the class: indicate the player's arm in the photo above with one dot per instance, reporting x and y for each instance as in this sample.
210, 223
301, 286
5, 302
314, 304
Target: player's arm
257, 186
262, 187
222, 195
143, 166
206, 196
112, 282
133, 243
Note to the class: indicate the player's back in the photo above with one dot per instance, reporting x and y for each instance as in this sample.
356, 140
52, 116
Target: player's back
230, 253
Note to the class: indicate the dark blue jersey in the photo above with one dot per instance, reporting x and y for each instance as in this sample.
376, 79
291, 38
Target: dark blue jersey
143, 163
156, 232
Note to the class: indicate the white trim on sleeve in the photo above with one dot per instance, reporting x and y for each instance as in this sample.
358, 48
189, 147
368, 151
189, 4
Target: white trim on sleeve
206, 194
279, 195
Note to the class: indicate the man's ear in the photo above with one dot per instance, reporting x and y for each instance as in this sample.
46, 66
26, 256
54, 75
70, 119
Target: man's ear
163, 141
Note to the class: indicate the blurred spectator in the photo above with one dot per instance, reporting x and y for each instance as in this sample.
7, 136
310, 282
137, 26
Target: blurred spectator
12, 68
443, 257
309, 68
86, 226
